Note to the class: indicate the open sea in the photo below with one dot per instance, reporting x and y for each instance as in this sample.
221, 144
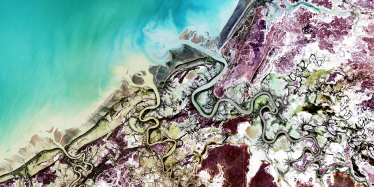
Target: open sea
60, 59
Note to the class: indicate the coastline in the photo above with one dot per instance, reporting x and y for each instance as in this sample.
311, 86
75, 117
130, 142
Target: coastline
106, 111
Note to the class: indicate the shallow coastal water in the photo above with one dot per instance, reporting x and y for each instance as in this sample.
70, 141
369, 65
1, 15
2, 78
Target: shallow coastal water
60, 59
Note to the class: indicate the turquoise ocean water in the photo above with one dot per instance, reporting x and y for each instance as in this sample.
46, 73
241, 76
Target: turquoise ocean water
57, 58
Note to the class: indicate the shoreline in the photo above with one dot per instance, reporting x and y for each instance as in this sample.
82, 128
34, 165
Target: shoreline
105, 109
